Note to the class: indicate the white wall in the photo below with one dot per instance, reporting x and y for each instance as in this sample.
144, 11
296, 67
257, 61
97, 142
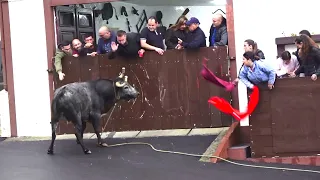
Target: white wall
170, 15
29, 56
5, 129
265, 20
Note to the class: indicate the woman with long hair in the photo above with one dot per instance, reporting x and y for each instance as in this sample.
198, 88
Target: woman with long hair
310, 56
251, 46
176, 32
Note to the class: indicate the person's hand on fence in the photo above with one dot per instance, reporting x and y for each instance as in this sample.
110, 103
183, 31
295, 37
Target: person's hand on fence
114, 46
141, 52
75, 55
180, 41
61, 76
159, 51
292, 74
93, 54
270, 86
314, 77
179, 46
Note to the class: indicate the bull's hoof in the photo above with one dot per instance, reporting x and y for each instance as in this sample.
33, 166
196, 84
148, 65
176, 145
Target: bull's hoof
50, 151
87, 151
102, 144
78, 142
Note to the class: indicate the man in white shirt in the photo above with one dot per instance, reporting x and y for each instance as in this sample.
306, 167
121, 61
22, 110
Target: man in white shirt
287, 63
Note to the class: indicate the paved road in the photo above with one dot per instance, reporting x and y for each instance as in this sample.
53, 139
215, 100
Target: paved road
29, 161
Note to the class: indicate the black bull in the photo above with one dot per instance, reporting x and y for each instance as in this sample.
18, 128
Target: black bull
82, 102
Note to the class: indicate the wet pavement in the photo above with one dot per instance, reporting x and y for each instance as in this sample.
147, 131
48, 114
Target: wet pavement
28, 161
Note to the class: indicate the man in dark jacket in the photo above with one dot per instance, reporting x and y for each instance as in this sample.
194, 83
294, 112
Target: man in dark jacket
127, 45
218, 31
196, 37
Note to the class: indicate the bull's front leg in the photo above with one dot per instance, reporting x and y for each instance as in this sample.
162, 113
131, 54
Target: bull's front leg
95, 119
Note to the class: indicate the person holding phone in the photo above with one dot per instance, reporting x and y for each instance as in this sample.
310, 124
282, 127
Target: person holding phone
176, 33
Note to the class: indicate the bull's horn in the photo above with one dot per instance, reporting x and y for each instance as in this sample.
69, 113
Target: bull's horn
121, 74
126, 78
119, 85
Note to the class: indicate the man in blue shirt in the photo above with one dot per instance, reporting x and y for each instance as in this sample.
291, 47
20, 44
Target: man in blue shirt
105, 40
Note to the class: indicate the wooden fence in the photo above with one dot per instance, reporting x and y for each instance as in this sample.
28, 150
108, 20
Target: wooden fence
287, 119
172, 92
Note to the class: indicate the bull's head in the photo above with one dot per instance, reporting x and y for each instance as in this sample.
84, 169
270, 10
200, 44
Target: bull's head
124, 90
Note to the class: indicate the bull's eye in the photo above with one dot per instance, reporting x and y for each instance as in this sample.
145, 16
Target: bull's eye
126, 87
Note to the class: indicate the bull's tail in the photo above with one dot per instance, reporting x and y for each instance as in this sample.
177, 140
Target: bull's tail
54, 109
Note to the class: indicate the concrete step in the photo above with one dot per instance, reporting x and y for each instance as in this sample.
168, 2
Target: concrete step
239, 152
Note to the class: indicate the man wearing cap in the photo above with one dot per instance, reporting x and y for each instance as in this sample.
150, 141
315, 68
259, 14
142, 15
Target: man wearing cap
64, 49
196, 37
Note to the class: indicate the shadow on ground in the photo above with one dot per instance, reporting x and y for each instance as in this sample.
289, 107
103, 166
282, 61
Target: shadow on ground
29, 161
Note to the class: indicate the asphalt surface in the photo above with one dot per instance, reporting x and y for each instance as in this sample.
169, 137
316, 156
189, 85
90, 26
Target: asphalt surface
29, 161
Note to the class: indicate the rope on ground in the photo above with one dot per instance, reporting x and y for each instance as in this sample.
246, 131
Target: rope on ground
228, 161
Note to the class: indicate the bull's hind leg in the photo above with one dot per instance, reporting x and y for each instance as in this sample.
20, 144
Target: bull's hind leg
95, 120
54, 125
84, 126
78, 127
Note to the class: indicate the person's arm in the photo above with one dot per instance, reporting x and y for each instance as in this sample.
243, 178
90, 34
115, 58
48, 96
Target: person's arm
224, 37
244, 79
296, 62
143, 40
99, 46
57, 61
113, 37
317, 60
299, 70
196, 42
210, 35
270, 71
112, 55
168, 39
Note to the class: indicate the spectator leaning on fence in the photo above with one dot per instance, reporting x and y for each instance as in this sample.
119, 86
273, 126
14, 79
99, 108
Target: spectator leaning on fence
127, 45
176, 32
196, 37
310, 56
151, 37
90, 46
218, 31
105, 40
78, 49
286, 64
64, 49
255, 72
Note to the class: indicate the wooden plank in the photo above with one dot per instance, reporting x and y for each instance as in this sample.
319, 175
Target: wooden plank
89, 67
194, 111
149, 116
